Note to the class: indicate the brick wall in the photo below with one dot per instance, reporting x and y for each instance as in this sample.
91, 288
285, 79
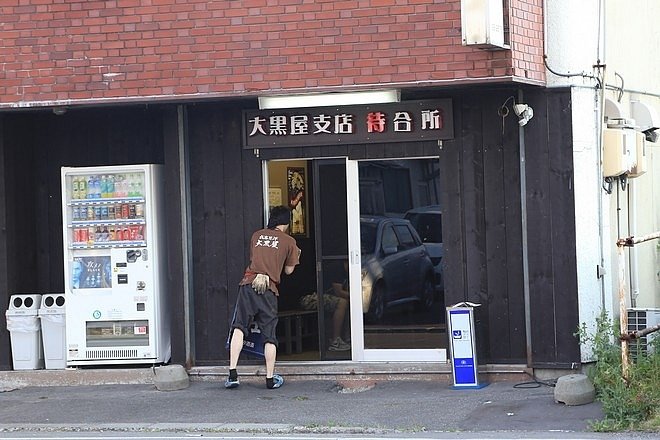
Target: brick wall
526, 24
55, 51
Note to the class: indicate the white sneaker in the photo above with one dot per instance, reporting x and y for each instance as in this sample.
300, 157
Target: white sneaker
338, 344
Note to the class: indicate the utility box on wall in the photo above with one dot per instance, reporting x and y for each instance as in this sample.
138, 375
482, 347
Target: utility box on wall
640, 165
482, 23
619, 150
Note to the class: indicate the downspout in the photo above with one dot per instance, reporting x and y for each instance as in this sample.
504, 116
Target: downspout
186, 235
632, 232
525, 262
599, 151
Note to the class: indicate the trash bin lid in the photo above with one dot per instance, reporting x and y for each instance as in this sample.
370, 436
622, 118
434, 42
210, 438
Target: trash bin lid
52, 303
24, 304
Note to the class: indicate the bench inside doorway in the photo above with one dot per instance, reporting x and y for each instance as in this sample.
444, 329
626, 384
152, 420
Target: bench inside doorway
296, 325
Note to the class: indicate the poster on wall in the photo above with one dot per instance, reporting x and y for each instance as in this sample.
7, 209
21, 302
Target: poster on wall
295, 178
274, 196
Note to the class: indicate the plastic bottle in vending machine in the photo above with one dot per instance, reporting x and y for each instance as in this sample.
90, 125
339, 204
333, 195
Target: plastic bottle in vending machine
104, 186
97, 187
82, 187
111, 186
130, 185
120, 185
90, 187
75, 188
138, 186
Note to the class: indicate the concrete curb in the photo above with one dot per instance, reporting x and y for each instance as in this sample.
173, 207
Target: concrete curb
270, 428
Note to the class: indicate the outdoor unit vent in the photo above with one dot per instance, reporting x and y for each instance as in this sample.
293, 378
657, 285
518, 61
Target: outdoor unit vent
482, 23
639, 319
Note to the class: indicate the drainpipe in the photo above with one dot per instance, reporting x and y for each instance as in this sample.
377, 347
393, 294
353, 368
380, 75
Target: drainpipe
632, 232
600, 114
186, 236
523, 216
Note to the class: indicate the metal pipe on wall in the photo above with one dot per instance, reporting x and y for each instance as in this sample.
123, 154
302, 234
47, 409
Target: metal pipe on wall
186, 235
523, 215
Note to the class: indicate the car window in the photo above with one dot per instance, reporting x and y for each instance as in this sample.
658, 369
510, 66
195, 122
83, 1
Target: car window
406, 239
428, 226
368, 238
389, 238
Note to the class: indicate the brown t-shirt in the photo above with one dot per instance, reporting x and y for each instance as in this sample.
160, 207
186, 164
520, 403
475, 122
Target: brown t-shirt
270, 251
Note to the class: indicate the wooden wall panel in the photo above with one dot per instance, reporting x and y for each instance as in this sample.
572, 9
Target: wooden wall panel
5, 351
551, 232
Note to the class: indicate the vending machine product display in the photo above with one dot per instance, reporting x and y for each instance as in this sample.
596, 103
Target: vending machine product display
114, 261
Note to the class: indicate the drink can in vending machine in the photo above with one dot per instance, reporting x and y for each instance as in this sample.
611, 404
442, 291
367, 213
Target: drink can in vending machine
104, 212
76, 235
124, 210
133, 231
84, 236
75, 213
139, 210
140, 232
131, 210
112, 235
90, 235
90, 213
97, 213
111, 212
126, 235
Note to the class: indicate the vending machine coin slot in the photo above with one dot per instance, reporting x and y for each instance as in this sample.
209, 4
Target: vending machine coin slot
140, 307
133, 255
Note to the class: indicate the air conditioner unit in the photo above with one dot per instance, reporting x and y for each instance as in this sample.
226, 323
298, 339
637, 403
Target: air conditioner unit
639, 319
482, 23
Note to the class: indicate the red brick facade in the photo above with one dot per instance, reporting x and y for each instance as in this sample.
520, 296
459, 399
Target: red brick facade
76, 51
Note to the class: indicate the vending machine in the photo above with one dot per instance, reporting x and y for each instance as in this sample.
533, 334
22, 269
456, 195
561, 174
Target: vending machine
114, 265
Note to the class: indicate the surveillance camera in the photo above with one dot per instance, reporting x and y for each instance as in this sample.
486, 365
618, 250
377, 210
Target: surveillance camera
524, 113
520, 109
651, 134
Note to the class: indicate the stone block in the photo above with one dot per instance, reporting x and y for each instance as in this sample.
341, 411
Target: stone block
171, 378
574, 389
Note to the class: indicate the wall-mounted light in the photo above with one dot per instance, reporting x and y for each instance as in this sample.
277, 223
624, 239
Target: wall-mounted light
524, 113
59, 111
328, 99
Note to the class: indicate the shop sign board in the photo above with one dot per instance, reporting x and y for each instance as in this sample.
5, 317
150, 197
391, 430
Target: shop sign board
463, 346
357, 124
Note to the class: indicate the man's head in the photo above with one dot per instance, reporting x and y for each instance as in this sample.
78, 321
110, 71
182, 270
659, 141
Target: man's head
279, 216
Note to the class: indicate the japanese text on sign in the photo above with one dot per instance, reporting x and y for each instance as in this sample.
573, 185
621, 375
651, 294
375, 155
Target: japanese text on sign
420, 120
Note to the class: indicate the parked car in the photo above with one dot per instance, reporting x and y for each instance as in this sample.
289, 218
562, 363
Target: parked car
427, 221
396, 267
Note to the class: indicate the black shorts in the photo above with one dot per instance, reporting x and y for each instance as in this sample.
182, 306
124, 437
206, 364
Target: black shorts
262, 309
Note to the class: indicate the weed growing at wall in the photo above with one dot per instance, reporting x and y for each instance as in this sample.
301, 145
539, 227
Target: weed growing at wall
627, 405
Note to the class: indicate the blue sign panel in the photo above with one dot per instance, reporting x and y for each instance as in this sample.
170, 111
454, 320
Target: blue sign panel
463, 347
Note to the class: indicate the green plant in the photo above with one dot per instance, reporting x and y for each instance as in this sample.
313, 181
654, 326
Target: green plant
627, 404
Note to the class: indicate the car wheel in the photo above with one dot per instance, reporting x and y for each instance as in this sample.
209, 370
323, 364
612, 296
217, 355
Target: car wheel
377, 306
427, 298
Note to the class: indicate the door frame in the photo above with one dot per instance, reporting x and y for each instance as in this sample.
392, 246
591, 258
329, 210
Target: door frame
360, 353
